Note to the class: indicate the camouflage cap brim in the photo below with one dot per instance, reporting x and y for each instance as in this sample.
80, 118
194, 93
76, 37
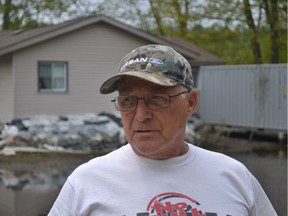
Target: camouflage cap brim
111, 84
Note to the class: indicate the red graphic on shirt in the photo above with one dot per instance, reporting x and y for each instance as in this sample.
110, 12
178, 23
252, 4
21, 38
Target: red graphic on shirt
173, 204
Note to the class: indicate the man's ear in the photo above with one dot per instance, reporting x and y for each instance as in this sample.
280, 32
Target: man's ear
192, 99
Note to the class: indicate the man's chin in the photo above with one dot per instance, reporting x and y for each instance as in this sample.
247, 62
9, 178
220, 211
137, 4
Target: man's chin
146, 152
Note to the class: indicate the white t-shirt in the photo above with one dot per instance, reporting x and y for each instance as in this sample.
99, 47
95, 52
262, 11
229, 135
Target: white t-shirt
199, 183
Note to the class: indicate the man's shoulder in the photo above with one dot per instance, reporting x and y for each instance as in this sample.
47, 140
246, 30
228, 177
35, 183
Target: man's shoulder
218, 159
111, 159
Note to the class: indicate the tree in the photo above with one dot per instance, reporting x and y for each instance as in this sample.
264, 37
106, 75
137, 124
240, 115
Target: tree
249, 13
157, 16
33, 13
239, 31
235, 20
172, 14
182, 18
6, 14
273, 12
254, 32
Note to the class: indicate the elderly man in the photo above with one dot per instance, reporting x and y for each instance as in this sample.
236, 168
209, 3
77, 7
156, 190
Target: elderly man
157, 172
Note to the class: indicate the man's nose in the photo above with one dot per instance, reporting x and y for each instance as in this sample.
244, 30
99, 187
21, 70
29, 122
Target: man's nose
142, 110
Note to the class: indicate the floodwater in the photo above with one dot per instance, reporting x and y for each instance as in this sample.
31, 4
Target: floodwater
270, 168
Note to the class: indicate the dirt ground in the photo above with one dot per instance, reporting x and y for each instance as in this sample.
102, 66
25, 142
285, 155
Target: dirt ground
41, 161
240, 143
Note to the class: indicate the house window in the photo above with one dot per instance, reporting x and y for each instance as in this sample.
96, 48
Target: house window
52, 76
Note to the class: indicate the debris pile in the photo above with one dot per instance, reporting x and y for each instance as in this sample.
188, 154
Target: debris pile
75, 132
89, 132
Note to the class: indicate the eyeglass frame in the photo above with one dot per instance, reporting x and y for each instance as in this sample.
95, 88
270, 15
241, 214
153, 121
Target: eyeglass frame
145, 100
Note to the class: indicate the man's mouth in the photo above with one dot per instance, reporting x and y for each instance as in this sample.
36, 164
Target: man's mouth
144, 131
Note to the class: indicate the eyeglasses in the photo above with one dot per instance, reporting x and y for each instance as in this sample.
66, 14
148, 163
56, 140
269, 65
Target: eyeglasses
153, 101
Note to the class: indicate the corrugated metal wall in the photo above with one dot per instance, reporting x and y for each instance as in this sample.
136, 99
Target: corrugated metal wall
252, 96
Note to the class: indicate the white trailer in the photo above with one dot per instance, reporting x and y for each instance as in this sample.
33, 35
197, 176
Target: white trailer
250, 96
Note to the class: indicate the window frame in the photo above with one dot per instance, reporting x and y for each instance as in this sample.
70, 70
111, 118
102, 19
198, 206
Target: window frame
53, 90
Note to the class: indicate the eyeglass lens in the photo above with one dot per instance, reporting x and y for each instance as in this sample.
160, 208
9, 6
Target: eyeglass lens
153, 101
123, 103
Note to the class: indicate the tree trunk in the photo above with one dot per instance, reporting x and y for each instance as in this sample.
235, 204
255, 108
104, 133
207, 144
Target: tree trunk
157, 18
182, 19
6, 15
254, 39
272, 20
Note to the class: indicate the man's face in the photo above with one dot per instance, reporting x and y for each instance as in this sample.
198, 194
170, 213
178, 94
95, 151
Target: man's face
157, 134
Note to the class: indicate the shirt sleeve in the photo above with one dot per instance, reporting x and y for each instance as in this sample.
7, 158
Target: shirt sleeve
65, 203
261, 206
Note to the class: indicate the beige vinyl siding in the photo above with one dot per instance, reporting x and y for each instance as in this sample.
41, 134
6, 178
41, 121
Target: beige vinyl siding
92, 53
6, 90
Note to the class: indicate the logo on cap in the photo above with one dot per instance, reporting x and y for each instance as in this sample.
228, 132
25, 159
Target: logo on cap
155, 61
139, 60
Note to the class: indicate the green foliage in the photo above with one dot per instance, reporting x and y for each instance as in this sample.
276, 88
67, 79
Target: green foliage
228, 32
219, 27
26, 14
234, 46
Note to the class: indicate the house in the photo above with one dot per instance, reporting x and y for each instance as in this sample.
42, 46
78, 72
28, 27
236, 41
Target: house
57, 70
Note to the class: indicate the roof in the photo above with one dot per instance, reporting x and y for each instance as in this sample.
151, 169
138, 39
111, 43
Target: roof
13, 41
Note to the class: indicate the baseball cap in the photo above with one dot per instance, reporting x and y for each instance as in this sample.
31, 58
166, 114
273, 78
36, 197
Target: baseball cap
155, 63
